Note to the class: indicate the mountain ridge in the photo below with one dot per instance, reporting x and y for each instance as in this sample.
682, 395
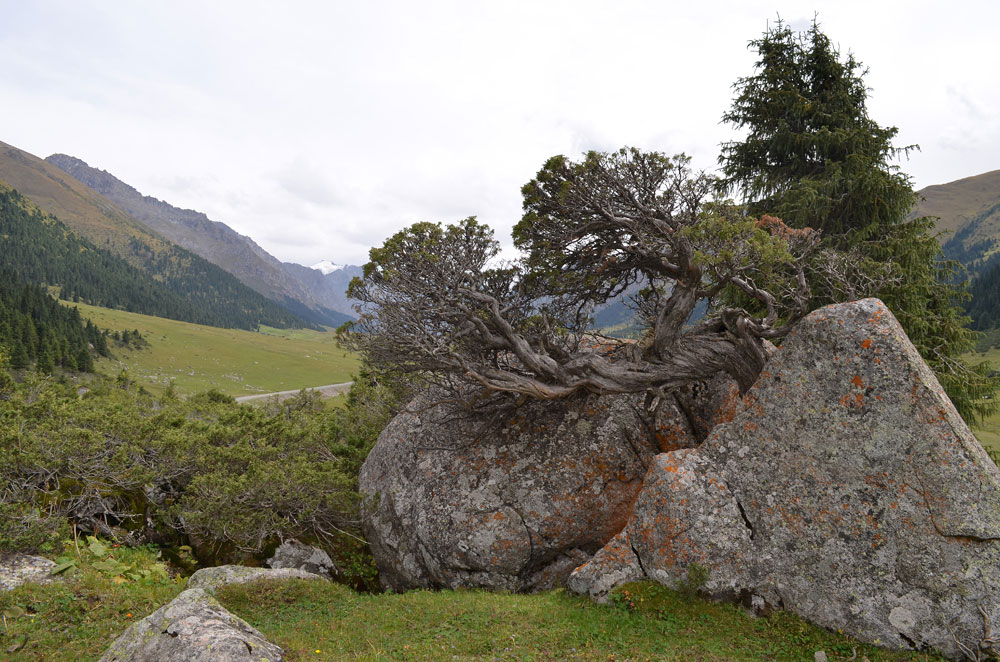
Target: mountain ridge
968, 223
214, 241
102, 223
968, 218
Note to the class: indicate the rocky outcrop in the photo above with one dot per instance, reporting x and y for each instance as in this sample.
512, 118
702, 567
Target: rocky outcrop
847, 490
193, 627
295, 555
453, 500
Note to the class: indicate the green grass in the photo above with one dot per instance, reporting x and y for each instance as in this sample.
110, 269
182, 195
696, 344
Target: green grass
79, 617
197, 358
318, 621
988, 432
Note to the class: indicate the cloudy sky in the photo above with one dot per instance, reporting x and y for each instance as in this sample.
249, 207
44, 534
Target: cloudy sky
320, 128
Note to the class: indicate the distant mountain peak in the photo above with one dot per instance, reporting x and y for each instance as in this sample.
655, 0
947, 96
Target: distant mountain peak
327, 267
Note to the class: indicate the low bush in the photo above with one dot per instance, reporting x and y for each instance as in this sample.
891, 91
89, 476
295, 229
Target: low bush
229, 480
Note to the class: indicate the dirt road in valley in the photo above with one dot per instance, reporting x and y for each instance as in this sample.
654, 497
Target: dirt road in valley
325, 391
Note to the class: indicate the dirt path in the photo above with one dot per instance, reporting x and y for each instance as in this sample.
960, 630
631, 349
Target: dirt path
325, 391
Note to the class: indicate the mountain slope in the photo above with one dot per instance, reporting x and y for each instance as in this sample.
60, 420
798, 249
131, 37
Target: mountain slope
216, 242
217, 294
332, 286
968, 212
41, 250
984, 307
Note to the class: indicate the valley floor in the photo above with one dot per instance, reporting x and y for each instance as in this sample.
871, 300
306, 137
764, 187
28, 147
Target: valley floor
198, 358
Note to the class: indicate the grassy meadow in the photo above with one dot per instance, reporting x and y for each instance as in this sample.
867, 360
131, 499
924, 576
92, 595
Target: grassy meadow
198, 358
78, 617
989, 432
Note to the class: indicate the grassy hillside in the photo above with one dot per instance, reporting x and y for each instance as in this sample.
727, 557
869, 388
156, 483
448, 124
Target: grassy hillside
957, 202
236, 362
968, 212
86, 212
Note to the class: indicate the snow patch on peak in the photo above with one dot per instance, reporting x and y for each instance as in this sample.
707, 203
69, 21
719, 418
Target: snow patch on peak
327, 267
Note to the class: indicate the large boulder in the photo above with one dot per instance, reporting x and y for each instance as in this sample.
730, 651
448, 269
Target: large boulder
457, 500
193, 627
847, 490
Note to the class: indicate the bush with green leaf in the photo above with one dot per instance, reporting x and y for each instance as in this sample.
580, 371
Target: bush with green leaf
229, 480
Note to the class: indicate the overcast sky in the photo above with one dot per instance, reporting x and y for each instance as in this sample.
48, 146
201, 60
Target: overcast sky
320, 128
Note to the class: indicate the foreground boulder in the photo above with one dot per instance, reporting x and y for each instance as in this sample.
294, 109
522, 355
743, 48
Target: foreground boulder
452, 500
847, 490
193, 627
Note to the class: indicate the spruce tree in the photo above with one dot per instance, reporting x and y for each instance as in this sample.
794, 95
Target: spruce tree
19, 359
814, 157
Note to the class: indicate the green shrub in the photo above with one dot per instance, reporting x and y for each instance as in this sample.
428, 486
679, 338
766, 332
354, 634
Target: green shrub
229, 480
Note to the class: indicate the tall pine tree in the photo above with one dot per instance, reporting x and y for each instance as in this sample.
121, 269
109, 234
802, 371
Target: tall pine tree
814, 157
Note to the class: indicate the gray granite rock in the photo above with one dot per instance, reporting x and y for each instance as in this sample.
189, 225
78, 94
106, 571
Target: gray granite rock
293, 554
847, 490
17, 569
210, 579
515, 504
193, 627
684, 519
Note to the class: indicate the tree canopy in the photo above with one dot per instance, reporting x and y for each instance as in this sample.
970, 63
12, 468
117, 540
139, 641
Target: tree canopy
823, 219
435, 301
813, 156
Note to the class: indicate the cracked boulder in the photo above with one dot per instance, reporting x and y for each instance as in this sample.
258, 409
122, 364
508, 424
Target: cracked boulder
193, 627
847, 490
452, 500
683, 519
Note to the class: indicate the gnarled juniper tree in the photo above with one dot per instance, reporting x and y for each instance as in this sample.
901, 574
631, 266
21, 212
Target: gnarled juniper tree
434, 302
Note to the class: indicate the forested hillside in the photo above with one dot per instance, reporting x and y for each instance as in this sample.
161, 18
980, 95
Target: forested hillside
968, 222
984, 307
42, 250
34, 327
218, 296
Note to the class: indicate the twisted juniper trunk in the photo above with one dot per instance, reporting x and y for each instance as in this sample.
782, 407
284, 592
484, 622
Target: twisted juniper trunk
591, 231
692, 357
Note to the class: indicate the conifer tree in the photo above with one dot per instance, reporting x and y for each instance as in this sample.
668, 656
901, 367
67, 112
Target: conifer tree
813, 157
19, 358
